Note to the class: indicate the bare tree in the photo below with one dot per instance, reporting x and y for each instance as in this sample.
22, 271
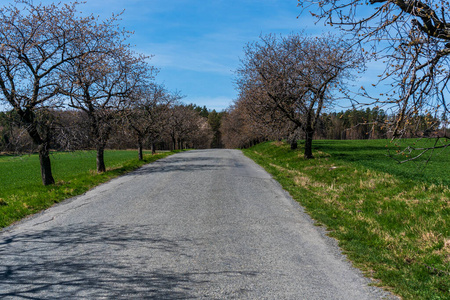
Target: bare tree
243, 125
233, 128
72, 132
36, 41
412, 39
100, 85
148, 113
186, 127
294, 76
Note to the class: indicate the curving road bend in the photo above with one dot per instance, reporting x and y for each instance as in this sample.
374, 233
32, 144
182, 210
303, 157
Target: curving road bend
205, 224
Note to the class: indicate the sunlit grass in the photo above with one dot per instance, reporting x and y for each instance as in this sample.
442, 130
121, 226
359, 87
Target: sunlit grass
392, 220
21, 171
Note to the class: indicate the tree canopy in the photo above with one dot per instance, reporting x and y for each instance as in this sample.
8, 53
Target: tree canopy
293, 78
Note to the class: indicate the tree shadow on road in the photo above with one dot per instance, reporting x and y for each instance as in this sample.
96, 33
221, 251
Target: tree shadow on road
181, 164
91, 261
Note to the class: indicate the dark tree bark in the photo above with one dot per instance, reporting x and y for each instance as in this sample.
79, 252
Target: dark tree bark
46, 167
309, 133
153, 148
101, 159
42, 141
294, 144
174, 143
140, 147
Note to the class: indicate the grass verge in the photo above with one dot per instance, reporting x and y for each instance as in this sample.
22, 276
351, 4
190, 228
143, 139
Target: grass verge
21, 190
392, 221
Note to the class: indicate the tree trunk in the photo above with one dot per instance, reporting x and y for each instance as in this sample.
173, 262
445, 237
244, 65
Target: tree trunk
174, 143
153, 148
294, 144
308, 143
101, 159
46, 168
43, 149
141, 157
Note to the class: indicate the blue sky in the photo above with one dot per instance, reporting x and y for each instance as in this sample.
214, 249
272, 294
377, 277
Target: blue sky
197, 44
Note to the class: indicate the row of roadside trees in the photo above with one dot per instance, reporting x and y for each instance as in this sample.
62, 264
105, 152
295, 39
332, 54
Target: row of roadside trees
51, 57
239, 129
157, 124
74, 81
286, 83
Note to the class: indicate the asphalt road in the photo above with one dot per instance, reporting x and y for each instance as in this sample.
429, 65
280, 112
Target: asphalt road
197, 225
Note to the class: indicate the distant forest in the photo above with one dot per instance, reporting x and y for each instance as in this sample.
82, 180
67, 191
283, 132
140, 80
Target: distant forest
191, 126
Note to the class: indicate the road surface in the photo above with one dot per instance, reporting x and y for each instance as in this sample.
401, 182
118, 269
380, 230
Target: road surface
197, 225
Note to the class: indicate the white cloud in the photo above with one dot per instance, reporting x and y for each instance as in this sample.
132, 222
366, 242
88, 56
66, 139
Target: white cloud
201, 57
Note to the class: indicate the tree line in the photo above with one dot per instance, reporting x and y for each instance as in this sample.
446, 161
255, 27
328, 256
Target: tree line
155, 128
239, 130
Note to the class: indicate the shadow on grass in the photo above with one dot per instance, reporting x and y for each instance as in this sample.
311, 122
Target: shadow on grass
374, 154
352, 151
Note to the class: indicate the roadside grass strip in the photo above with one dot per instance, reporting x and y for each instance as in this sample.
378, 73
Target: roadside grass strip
391, 220
22, 192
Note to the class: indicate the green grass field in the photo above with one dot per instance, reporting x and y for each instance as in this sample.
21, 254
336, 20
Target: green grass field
433, 167
392, 220
21, 189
